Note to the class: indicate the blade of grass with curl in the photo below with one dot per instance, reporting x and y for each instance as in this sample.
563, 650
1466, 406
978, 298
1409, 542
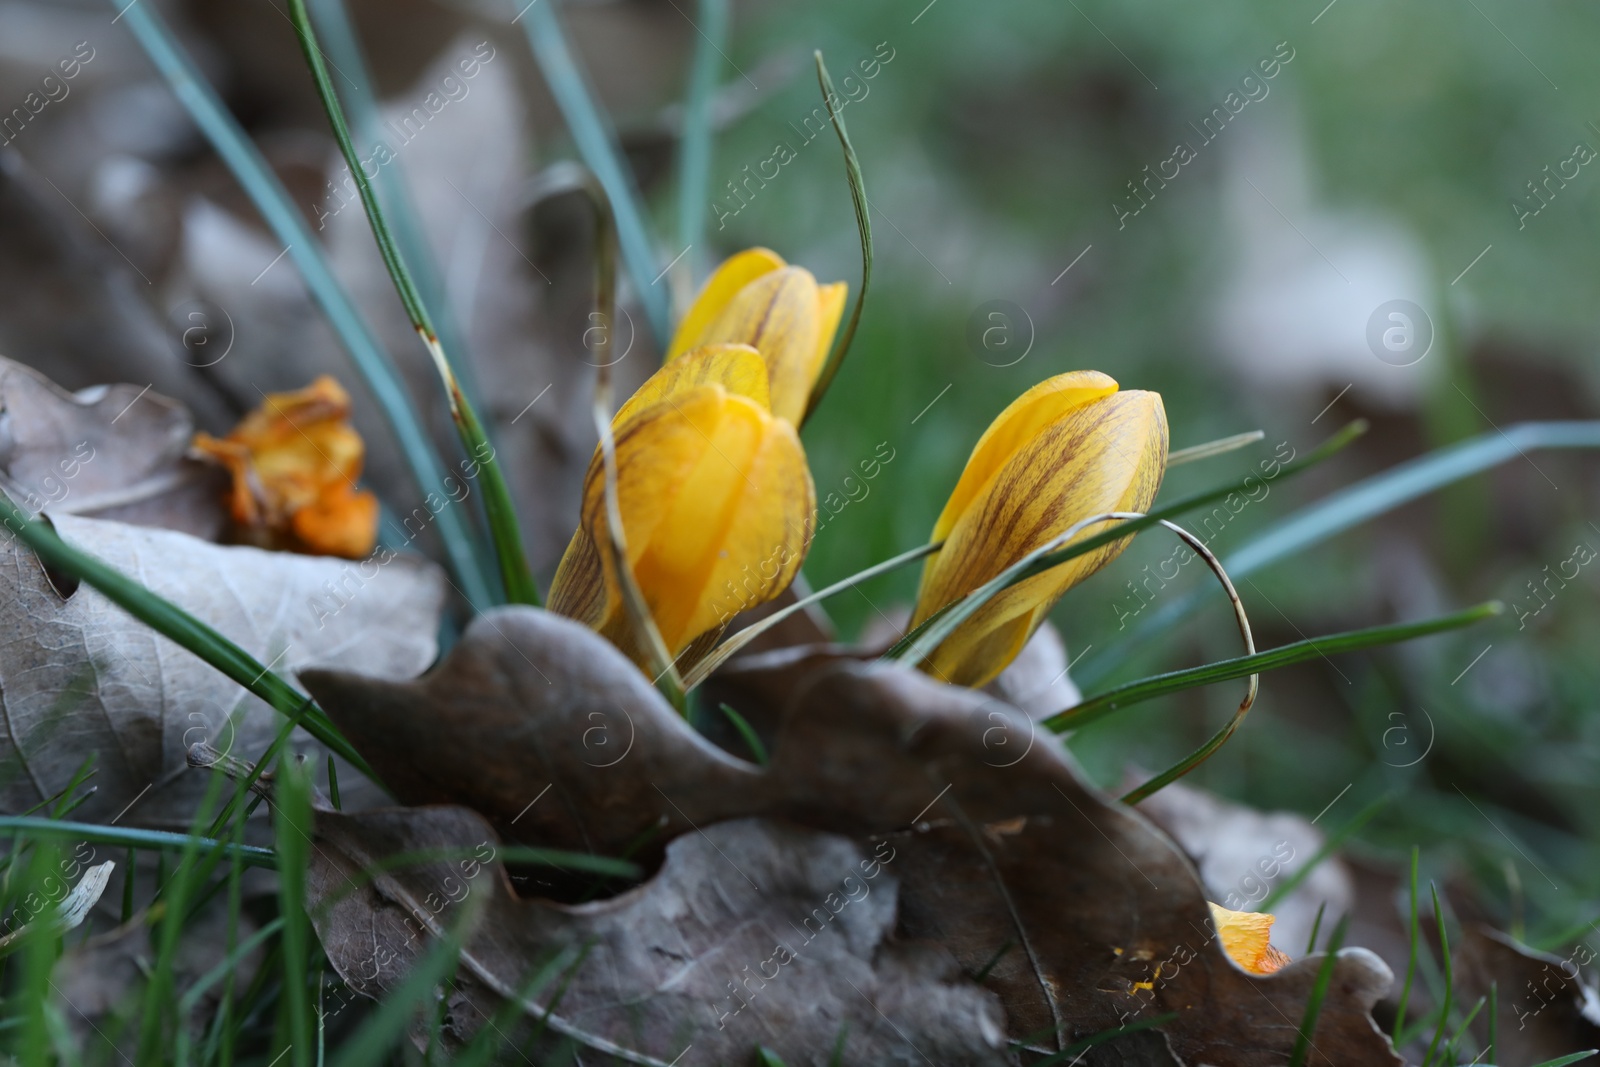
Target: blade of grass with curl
504, 529
1253, 687
597, 145
694, 150
858, 198
270, 198
1358, 503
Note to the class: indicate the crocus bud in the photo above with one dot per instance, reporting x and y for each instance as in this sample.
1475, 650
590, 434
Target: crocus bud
716, 499
1069, 448
755, 298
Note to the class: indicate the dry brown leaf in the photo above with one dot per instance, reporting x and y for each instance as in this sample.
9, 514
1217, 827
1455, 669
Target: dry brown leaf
108, 452
80, 677
1547, 1008
752, 931
1243, 854
998, 840
74, 307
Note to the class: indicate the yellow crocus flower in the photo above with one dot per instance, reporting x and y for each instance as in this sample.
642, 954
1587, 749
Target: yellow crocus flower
716, 499
1069, 448
755, 298
1246, 937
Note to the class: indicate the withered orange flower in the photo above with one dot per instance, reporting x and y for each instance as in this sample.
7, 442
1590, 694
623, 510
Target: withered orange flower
1246, 937
294, 463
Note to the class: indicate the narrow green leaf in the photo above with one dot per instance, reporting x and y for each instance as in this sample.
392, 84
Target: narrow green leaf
1563, 1061
1221, 446
1358, 503
134, 838
171, 621
371, 1043
732, 645
1449, 977
333, 785
1070, 1054
694, 150
504, 529
1415, 933
1098, 707
1319, 993
273, 202
1316, 928
747, 733
292, 837
597, 145
858, 198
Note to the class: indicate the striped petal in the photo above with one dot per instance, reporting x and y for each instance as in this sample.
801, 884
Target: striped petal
717, 507
1246, 937
737, 368
732, 275
1054, 458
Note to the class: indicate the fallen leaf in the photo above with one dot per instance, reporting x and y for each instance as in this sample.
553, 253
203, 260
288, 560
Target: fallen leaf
109, 452
1547, 1008
1082, 915
81, 678
751, 931
1243, 854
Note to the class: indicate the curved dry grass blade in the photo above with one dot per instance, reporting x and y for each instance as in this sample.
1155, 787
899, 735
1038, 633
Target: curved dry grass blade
504, 529
597, 144
1200, 755
270, 198
694, 150
69, 914
730, 647
1221, 446
858, 198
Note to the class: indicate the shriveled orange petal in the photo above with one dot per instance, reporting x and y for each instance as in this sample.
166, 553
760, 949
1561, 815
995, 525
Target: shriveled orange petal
293, 463
732, 275
1246, 937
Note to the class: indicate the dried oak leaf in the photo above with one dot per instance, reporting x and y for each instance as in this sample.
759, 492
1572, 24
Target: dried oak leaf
1547, 1009
1085, 916
719, 950
79, 677
108, 452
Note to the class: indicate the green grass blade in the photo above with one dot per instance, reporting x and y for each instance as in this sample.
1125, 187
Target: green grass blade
1414, 931
370, 1045
1221, 446
1098, 707
292, 837
1449, 977
1562, 1061
1343, 834
1319, 993
1359, 503
344, 53
694, 150
597, 145
134, 838
1041, 560
273, 202
733, 644
171, 621
504, 529
1078, 1048
1316, 928
858, 198
747, 733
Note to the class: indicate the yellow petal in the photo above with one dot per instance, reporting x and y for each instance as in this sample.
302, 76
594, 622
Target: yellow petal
737, 368
830, 309
1246, 937
717, 506
1104, 455
734, 274
780, 314
1017, 425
